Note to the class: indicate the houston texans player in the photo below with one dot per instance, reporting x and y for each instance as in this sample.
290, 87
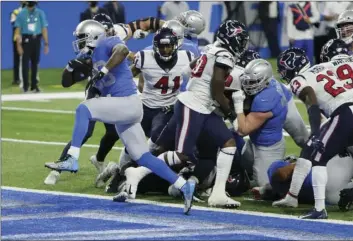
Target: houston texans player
325, 87
266, 119
118, 104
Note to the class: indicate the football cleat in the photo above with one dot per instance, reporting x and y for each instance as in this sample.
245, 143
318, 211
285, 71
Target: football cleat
52, 178
116, 184
68, 164
98, 165
314, 214
287, 201
188, 193
346, 199
222, 201
104, 176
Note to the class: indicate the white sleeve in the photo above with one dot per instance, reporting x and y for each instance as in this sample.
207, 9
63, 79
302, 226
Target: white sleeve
139, 59
316, 15
290, 26
297, 85
225, 58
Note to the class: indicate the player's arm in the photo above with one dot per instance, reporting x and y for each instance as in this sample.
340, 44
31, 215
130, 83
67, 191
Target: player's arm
141, 83
119, 53
186, 71
251, 122
307, 94
146, 24
220, 72
75, 71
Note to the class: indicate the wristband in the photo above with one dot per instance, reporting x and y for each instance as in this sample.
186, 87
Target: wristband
104, 70
68, 68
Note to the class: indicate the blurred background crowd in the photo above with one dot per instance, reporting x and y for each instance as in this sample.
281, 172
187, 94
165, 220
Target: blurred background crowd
273, 26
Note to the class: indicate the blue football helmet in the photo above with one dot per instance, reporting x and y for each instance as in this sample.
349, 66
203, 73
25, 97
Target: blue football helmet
334, 48
292, 61
246, 57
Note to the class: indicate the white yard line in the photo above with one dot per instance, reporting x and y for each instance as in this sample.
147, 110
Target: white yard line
38, 110
253, 213
50, 143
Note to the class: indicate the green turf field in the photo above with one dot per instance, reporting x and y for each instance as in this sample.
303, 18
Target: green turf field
23, 163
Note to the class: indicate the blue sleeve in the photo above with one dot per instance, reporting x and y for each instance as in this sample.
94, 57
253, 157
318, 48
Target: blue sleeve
265, 101
192, 48
18, 21
110, 44
286, 92
43, 19
274, 167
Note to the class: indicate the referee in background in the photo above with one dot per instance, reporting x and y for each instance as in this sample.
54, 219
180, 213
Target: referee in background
16, 57
31, 27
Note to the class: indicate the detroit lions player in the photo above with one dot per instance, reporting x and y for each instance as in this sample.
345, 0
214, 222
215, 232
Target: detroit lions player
118, 104
344, 28
325, 87
266, 119
280, 175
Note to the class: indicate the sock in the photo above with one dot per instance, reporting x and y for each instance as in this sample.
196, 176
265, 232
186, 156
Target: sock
65, 150
301, 171
74, 151
82, 118
124, 158
141, 172
224, 163
151, 145
179, 183
319, 180
159, 167
170, 157
106, 144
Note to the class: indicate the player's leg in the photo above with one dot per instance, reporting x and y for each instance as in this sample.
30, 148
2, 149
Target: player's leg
264, 157
97, 109
295, 125
133, 138
223, 138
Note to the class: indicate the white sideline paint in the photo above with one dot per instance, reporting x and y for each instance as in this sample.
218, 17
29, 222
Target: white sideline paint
140, 201
53, 96
51, 143
39, 110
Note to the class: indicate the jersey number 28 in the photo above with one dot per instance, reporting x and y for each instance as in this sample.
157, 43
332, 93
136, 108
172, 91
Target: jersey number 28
344, 72
163, 84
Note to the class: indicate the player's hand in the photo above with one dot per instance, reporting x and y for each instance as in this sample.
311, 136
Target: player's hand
46, 49
238, 98
317, 145
167, 109
139, 34
100, 74
307, 19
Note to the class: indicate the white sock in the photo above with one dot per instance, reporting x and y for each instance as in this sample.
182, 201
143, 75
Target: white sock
170, 157
74, 151
319, 180
301, 170
151, 145
179, 183
124, 158
224, 163
142, 172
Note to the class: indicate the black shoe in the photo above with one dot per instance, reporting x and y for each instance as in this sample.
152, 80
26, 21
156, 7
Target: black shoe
36, 90
113, 186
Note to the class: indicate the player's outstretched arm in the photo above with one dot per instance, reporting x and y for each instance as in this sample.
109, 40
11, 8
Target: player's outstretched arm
146, 24
119, 53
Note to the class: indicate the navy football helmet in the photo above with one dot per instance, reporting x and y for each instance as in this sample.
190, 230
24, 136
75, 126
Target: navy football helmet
290, 62
246, 57
165, 44
106, 21
233, 36
334, 48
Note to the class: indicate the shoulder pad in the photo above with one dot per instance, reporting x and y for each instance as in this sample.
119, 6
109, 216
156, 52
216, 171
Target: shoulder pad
233, 81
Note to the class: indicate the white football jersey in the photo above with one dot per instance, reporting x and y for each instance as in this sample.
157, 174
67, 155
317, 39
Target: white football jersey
233, 80
121, 30
161, 86
331, 81
198, 91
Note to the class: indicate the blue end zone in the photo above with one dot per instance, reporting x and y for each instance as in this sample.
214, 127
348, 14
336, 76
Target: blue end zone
31, 215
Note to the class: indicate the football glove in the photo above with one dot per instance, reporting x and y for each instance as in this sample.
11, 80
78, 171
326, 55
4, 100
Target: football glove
318, 146
346, 199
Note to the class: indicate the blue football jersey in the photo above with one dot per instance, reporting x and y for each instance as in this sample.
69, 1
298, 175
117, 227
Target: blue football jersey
270, 99
119, 81
287, 93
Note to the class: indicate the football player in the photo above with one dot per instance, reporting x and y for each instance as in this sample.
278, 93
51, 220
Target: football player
264, 123
280, 175
326, 87
344, 28
118, 104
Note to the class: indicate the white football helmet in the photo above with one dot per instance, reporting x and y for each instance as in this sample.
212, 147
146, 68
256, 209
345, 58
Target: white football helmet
344, 26
87, 34
257, 74
193, 21
177, 28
